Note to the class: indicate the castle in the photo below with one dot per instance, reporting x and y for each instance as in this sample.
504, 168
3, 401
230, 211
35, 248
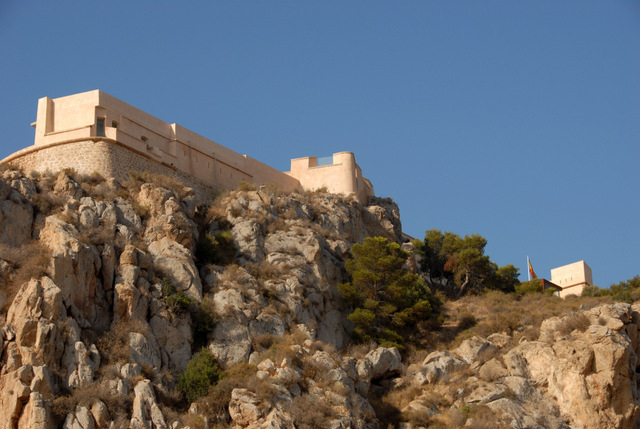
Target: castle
95, 132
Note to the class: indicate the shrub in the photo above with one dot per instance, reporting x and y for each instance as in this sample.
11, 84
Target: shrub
31, 260
47, 202
204, 321
384, 295
578, 321
118, 405
176, 300
114, 345
215, 404
100, 234
160, 180
216, 249
531, 286
309, 413
246, 186
589, 291
467, 320
202, 371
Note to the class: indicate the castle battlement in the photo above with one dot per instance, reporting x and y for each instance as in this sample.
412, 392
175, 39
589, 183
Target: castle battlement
95, 132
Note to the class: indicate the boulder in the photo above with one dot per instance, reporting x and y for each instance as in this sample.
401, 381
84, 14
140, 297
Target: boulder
177, 263
146, 413
475, 349
384, 362
75, 269
244, 407
33, 317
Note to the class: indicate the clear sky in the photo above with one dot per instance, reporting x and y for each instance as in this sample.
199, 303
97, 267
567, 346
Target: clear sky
516, 120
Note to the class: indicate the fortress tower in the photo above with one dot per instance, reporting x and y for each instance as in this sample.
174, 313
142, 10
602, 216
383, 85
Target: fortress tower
572, 278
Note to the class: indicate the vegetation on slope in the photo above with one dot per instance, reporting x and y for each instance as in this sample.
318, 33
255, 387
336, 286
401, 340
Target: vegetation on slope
458, 293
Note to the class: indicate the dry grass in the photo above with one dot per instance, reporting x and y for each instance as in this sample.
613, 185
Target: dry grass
573, 322
311, 412
215, 404
114, 345
281, 349
47, 202
497, 312
101, 234
360, 350
136, 180
244, 186
119, 406
263, 342
31, 260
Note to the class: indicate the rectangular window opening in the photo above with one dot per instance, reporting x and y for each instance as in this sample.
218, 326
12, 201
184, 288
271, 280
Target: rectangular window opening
100, 127
114, 124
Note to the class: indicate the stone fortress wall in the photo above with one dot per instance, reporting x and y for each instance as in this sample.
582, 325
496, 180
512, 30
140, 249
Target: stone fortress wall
95, 132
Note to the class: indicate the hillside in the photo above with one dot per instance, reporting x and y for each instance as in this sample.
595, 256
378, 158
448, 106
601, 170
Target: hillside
144, 305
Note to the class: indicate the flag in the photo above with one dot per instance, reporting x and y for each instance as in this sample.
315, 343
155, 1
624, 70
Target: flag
532, 274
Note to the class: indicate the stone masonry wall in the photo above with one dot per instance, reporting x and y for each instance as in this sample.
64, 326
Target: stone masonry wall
103, 156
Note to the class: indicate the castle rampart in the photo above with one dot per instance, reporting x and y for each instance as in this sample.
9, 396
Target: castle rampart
93, 131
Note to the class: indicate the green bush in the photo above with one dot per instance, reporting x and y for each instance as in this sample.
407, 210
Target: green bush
384, 295
204, 321
590, 291
532, 286
218, 249
176, 300
202, 371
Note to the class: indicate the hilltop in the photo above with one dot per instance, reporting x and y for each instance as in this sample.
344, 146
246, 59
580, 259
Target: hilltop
145, 304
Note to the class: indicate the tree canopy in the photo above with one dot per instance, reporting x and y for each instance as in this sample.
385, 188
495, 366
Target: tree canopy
457, 264
384, 295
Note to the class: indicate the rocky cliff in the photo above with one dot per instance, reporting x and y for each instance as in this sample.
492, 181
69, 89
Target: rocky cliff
109, 290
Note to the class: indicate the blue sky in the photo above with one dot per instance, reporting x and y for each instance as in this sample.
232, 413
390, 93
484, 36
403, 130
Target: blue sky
519, 121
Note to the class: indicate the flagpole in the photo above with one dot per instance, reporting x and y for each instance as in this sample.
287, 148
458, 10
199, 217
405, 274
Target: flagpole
528, 270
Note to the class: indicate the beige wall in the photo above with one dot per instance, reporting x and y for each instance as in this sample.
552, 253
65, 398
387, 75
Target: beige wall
572, 278
99, 155
75, 117
343, 176
73, 120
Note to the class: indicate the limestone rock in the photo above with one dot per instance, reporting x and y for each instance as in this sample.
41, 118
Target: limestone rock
144, 350
126, 215
167, 217
384, 362
129, 303
16, 217
590, 375
437, 366
80, 418
244, 407
65, 185
14, 394
34, 316
176, 262
75, 263
475, 349
146, 413
35, 414
173, 335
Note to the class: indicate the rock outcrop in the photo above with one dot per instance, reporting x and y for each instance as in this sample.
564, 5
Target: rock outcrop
100, 334
575, 375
